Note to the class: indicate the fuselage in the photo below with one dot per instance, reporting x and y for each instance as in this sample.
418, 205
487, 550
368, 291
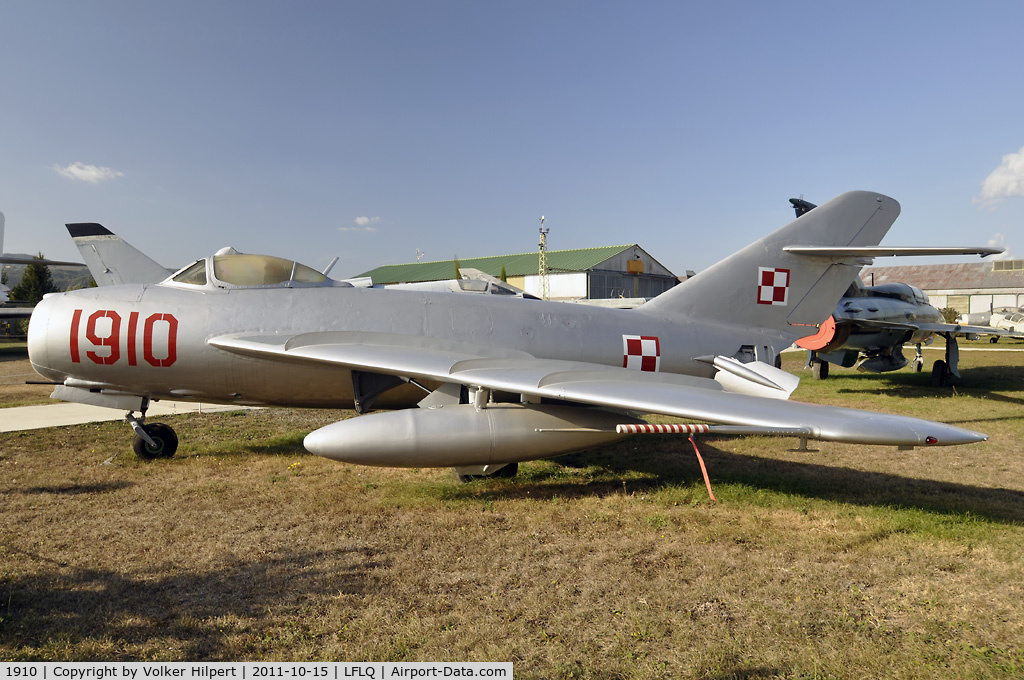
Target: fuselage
152, 340
886, 310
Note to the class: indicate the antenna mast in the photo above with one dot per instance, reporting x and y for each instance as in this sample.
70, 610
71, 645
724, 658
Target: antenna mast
542, 274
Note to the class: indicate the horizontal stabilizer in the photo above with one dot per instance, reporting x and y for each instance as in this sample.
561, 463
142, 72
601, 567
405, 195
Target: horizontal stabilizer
888, 251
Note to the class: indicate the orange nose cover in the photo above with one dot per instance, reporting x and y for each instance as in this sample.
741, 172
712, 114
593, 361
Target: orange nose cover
825, 333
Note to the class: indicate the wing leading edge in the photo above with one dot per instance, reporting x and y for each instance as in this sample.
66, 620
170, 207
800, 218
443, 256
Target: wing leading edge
689, 397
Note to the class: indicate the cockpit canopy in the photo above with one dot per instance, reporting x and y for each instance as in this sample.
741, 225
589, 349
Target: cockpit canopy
901, 291
231, 269
894, 291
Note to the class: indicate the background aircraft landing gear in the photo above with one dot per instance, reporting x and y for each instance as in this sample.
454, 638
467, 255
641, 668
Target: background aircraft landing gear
819, 369
918, 360
941, 375
164, 441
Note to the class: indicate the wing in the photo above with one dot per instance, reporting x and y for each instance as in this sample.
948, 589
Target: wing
15, 312
943, 328
961, 329
4, 259
854, 252
689, 397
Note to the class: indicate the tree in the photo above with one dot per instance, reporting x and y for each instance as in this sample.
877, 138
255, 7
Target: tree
949, 314
35, 283
502, 275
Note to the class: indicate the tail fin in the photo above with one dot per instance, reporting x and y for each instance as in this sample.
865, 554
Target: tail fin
764, 285
111, 260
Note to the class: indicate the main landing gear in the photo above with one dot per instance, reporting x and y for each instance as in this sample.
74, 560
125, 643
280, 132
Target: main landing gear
819, 367
942, 376
945, 373
155, 440
474, 472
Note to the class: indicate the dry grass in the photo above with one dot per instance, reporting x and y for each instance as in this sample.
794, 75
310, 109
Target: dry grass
849, 562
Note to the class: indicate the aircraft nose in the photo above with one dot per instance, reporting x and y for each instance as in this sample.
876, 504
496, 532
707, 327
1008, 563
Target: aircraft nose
38, 332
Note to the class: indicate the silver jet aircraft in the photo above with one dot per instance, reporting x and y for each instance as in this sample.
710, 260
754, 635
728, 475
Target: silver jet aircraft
871, 324
21, 312
496, 379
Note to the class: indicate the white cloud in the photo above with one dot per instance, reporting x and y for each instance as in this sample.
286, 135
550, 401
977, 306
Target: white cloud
363, 224
87, 173
1006, 181
998, 240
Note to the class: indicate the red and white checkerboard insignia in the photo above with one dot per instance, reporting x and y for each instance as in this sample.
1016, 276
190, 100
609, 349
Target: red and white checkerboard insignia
641, 353
772, 286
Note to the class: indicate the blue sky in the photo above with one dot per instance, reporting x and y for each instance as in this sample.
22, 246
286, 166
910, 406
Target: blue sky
368, 130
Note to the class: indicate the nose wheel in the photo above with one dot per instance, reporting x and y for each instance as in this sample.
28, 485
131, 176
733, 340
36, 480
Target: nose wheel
155, 440
164, 442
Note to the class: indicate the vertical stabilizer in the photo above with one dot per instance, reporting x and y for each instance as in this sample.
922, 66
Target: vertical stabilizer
111, 260
764, 286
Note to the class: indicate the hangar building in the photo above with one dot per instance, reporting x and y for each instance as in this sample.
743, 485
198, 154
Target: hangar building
593, 273
967, 288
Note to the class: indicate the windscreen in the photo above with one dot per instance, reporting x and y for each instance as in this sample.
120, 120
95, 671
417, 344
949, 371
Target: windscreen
262, 270
194, 275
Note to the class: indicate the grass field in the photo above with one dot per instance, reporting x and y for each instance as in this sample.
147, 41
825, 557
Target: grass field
845, 562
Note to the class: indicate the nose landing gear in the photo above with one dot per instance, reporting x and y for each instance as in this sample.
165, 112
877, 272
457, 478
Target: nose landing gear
155, 440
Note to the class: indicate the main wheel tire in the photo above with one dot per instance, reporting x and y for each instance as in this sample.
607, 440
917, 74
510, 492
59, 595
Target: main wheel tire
507, 472
819, 369
165, 438
939, 373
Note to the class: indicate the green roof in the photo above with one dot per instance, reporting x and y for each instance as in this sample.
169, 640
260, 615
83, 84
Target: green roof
523, 264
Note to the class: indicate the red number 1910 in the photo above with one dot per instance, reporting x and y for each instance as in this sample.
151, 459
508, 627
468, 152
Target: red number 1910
105, 337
